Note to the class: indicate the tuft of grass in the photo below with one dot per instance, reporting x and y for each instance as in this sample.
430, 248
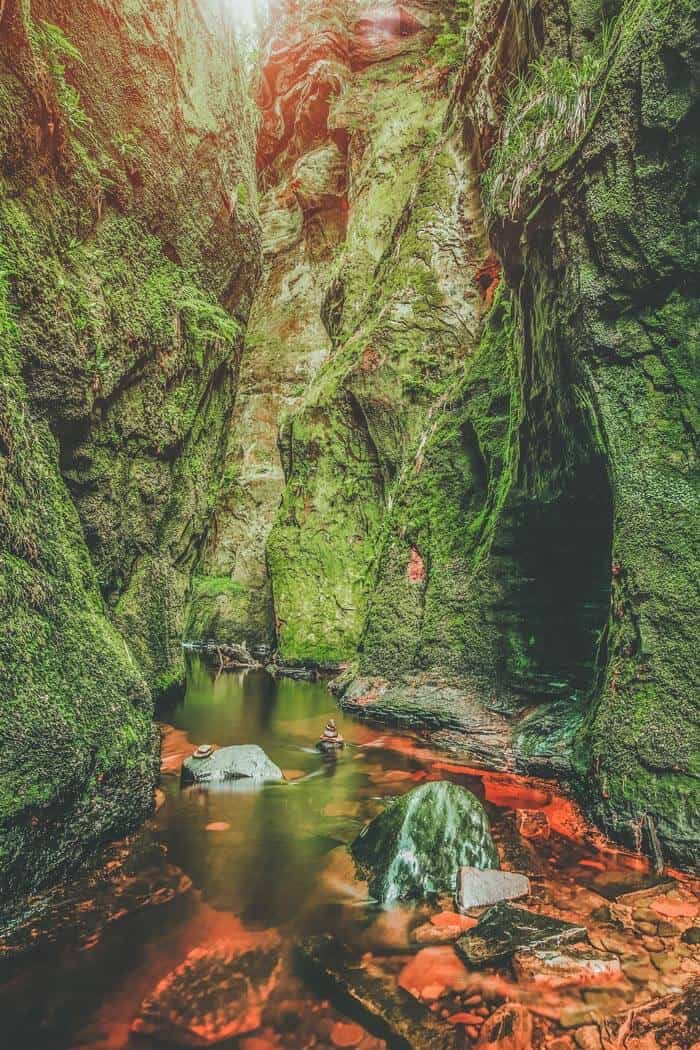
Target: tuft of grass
56, 48
546, 113
206, 323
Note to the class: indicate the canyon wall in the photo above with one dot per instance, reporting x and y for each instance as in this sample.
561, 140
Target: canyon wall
557, 505
486, 457
129, 252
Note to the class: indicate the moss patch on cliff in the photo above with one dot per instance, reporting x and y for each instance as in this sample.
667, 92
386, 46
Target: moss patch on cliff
129, 253
77, 744
608, 325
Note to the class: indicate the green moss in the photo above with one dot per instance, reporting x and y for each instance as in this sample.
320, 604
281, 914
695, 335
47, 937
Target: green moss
76, 731
448, 49
115, 265
449, 511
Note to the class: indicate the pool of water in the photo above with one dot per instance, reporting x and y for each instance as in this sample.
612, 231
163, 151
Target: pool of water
274, 857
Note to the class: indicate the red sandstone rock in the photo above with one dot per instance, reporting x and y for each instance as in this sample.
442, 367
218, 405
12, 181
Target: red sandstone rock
416, 567
345, 1034
217, 993
532, 823
671, 908
453, 918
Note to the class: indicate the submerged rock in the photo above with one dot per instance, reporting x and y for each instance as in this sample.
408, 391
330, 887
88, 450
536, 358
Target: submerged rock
509, 1028
240, 761
415, 848
385, 1009
505, 929
216, 994
479, 888
557, 968
432, 972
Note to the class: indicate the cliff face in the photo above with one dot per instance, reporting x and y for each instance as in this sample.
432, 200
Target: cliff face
368, 303
128, 257
489, 494
557, 505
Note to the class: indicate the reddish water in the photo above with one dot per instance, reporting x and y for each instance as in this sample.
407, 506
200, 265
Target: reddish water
226, 865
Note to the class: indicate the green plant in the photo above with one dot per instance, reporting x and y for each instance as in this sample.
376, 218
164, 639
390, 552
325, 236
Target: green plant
206, 323
128, 147
55, 47
546, 113
448, 49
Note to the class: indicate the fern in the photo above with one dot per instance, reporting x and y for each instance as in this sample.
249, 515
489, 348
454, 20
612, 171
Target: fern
546, 113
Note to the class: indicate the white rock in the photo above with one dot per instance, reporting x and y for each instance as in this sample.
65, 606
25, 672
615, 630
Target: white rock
478, 887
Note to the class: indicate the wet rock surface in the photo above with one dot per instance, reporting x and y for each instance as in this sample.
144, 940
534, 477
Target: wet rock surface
217, 993
642, 927
416, 847
506, 929
238, 762
129, 877
390, 1011
558, 968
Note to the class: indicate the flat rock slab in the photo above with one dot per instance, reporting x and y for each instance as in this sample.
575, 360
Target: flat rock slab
217, 993
505, 929
238, 762
127, 878
478, 888
383, 1008
560, 967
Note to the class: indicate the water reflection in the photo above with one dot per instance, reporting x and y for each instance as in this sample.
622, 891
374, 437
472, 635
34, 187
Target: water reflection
279, 834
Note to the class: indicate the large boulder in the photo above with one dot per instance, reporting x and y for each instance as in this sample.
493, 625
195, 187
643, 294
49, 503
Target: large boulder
415, 848
238, 762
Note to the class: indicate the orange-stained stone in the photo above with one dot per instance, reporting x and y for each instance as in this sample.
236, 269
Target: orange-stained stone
394, 775
435, 967
260, 1042
674, 909
416, 567
217, 825
345, 1034
465, 1018
451, 918
431, 992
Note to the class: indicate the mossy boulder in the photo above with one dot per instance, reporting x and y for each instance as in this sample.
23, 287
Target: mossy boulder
415, 848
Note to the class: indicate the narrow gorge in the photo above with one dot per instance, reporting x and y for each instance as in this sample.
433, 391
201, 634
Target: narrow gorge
357, 344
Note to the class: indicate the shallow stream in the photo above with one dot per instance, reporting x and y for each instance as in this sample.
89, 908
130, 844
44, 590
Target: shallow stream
268, 858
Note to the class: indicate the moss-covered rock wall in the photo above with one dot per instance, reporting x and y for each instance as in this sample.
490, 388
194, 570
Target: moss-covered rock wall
557, 511
128, 258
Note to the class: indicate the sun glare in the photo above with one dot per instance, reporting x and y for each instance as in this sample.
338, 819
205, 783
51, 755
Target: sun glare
242, 14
